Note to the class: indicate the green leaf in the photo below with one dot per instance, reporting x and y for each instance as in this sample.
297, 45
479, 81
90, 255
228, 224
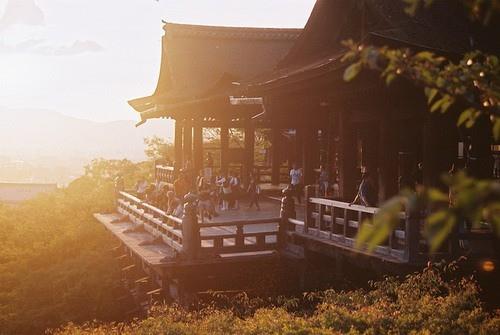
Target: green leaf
465, 116
431, 94
436, 195
352, 71
437, 104
446, 104
496, 128
426, 55
390, 78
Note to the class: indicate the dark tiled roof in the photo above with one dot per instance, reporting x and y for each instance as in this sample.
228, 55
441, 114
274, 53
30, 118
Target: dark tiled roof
198, 61
443, 28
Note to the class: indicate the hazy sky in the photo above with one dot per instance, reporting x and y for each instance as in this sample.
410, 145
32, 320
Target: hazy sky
86, 58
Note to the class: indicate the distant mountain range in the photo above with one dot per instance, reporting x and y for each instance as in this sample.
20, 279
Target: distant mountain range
31, 134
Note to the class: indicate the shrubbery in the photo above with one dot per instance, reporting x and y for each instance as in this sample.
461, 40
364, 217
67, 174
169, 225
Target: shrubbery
423, 303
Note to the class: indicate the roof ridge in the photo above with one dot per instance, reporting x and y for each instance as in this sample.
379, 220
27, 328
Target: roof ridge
193, 30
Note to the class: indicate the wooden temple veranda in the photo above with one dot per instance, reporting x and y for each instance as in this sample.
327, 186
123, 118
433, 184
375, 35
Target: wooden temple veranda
290, 82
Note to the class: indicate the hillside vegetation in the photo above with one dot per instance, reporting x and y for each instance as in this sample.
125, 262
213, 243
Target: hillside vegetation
55, 264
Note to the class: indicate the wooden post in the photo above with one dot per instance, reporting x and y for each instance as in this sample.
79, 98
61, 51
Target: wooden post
224, 149
388, 160
309, 191
178, 145
412, 236
198, 146
188, 141
287, 212
190, 229
249, 151
299, 140
439, 151
309, 146
347, 159
276, 155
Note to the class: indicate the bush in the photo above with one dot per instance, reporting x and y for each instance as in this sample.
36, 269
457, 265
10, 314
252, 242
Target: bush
423, 303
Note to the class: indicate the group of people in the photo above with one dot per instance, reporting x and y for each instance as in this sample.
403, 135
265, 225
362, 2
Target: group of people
215, 192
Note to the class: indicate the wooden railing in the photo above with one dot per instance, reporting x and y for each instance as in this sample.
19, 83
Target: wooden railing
166, 174
237, 236
340, 222
209, 239
153, 220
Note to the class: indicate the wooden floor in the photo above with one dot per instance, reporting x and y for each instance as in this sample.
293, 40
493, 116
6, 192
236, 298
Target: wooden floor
153, 254
268, 209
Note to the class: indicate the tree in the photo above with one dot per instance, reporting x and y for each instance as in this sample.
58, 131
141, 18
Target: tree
158, 148
473, 82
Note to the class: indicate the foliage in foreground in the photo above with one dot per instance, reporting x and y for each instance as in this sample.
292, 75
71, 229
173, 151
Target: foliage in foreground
424, 303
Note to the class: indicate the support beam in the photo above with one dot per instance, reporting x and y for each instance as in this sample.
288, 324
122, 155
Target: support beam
249, 151
188, 142
224, 149
197, 146
178, 145
276, 156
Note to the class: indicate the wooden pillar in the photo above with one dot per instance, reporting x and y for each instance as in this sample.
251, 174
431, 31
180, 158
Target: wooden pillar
178, 145
198, 146
188, 141
388, 160
309, 148
249, 150
439, 151
276, 155
299, 140
347, 158
224, 149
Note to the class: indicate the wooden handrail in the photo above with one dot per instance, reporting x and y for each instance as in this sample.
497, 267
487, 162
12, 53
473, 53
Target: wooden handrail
238, 223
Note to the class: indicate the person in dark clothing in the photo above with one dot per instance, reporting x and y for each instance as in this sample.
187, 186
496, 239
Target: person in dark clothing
254, 194
366, 192
418, 175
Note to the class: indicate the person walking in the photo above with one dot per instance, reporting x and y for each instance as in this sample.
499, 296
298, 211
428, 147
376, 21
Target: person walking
295, 181
254, 194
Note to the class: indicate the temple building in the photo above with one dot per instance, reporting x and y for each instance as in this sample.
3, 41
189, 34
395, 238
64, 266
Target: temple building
290, 81
202, 69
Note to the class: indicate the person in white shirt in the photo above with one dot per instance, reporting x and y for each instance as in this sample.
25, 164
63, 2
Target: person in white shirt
296, 181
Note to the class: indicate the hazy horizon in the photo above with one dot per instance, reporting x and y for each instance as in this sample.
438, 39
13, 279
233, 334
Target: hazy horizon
65, 63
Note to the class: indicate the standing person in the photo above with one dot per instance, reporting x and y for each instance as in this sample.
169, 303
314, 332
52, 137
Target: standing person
295, 181
174, 206
204, 202
219, 181
181, 185
254, 194
418, 175
323, 180
226, 194
366, 192
236, 191
209, 165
